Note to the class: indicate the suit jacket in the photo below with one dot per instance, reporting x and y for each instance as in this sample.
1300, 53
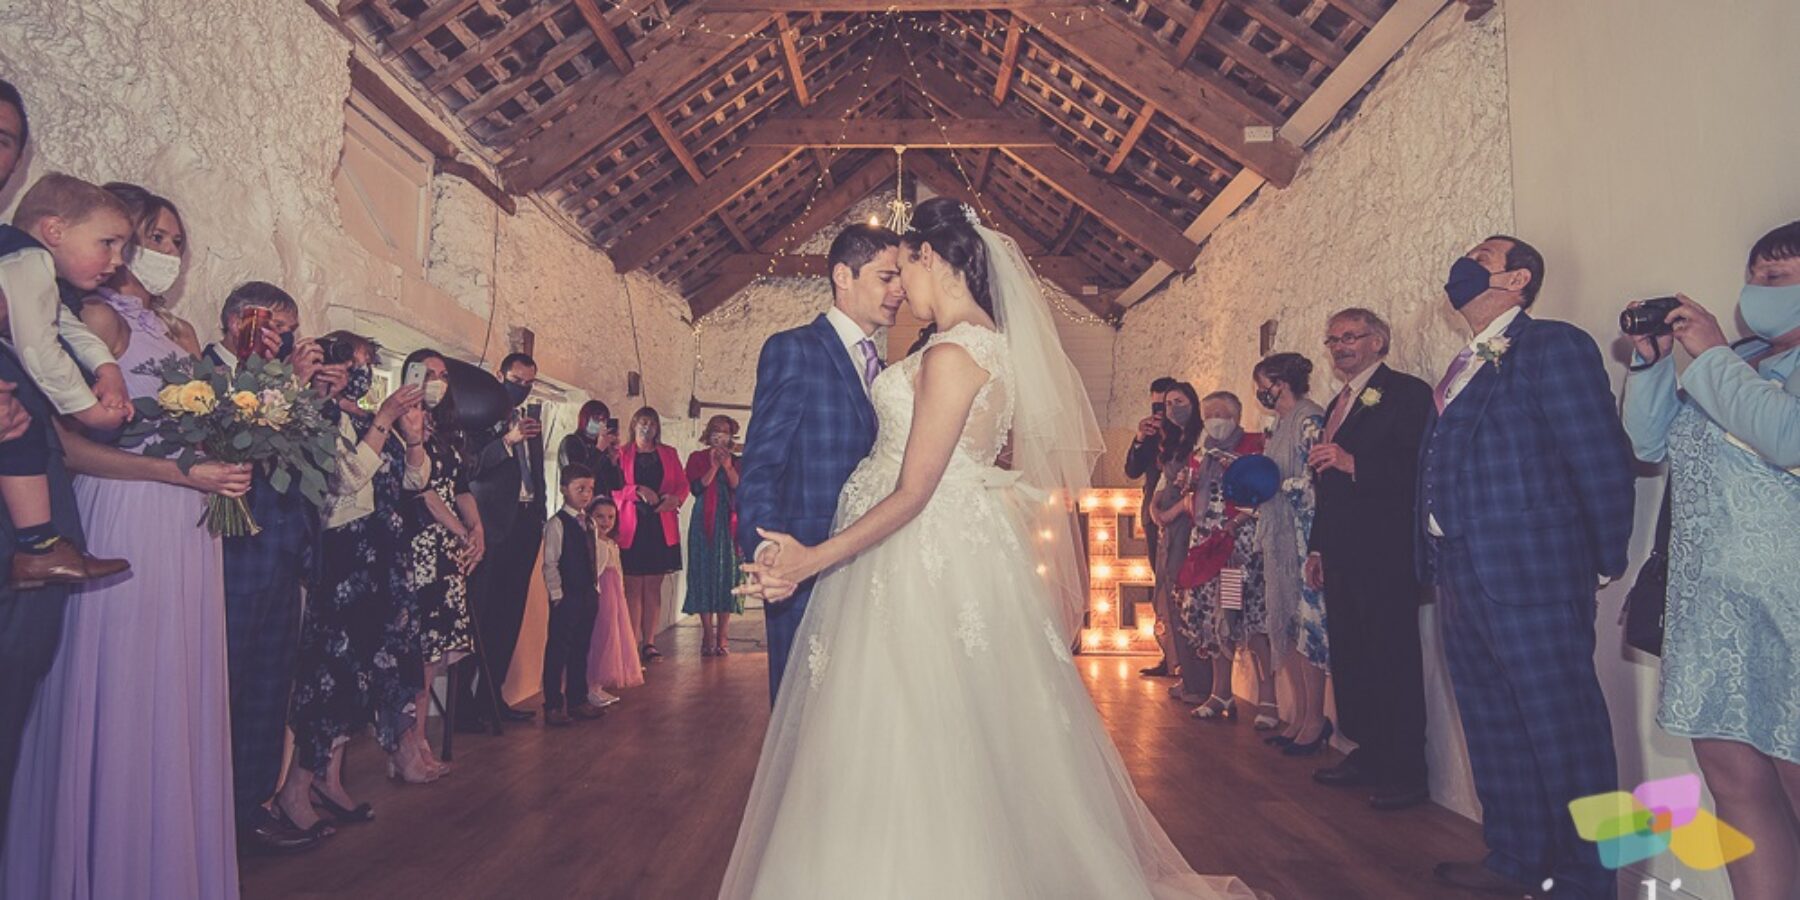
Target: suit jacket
284, 549
810, 424
495, 473
1532, 468
1370, 517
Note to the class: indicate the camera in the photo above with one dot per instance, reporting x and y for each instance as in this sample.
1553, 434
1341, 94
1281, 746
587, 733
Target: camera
1645, 318
336, 351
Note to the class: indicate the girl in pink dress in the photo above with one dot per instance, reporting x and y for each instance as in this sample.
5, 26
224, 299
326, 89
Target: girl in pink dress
613, 656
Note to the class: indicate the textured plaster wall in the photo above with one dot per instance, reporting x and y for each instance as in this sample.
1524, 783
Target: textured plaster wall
1381, 207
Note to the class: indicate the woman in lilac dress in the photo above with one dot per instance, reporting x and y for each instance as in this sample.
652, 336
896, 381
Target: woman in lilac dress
124, 781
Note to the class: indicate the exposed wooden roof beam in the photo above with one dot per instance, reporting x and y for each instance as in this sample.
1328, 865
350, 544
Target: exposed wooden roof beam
1009, 60
1147, 229
918, 133
1132, 136
1196, 29
679, 53
690, 206
800, 265
482, 51
1106, 44
615, 51
790, 50
434, 17
894, 6
827, 208
1295, 31
661, 123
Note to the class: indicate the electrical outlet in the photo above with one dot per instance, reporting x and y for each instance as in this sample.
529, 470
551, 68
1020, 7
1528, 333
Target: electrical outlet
1259, 134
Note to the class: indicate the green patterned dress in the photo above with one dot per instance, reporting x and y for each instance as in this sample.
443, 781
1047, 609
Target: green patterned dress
712, 569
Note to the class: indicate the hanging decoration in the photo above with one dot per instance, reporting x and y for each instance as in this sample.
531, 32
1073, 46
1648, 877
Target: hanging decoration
899, 211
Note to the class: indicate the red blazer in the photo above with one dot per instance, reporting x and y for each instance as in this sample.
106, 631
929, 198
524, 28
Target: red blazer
698, 462
674, 484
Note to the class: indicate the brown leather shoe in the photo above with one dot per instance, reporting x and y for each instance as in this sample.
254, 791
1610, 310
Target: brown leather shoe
587, 711
268, 834
1474, 876
62, 565
557, 718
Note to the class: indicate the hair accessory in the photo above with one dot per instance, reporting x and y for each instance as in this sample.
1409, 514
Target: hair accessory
969, 214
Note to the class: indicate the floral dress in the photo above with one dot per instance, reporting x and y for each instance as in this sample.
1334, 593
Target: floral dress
1212, 629
434, 569
1296, 613
358, 661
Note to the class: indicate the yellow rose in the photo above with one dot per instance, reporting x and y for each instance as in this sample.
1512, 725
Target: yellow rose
197, 397
246, 403
170, 397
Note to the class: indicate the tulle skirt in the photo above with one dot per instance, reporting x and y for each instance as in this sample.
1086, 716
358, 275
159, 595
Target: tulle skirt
933, 739
612, 654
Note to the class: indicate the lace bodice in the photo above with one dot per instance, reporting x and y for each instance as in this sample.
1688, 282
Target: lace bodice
984, 432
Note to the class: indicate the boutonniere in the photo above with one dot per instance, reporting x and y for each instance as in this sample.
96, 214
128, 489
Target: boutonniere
1490, 350
1370, 397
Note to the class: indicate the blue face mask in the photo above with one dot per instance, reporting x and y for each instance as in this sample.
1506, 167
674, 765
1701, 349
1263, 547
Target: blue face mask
1468, 280
1770, 311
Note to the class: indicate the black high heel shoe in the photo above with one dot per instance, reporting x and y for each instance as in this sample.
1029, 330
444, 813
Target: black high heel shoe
362, 813
1310, 747
1279, 741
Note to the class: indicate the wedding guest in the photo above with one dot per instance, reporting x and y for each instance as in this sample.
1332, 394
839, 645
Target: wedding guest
612, 653
141, 655
444, 526
1366, 472
506, 477
358, 662
1295, 623
1526, 504
1729, 425
1213, 633
1144, 460
595, 445
572, 581
649, 516
712, 473
153, 259
1169, 513
262, 580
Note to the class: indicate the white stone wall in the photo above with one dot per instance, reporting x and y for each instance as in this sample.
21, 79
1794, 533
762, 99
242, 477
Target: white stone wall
1380, 209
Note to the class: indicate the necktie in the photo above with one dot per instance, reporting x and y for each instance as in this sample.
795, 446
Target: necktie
1339, 414
871, 361
1457, 365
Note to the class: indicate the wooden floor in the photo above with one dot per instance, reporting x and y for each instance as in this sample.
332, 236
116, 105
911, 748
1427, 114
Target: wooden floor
645, 803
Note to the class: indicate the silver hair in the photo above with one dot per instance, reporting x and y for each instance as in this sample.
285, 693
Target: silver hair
1370, 319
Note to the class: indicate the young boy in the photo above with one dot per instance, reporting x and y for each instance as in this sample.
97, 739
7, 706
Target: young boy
64, 228
571, 580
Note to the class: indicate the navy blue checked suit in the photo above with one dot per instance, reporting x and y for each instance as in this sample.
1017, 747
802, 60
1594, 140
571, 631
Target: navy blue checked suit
1529, 474
810, 424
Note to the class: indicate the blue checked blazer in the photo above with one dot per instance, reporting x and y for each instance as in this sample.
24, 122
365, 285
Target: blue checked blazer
810, 424
1532, 467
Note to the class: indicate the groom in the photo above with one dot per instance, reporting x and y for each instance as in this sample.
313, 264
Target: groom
811, 421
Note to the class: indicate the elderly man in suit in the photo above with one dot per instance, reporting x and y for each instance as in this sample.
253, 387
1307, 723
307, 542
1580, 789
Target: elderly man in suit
1361, 554
810, 419
1525, 509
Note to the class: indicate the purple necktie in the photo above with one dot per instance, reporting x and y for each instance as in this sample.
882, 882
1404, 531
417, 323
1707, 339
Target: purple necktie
1457, 365
871, 361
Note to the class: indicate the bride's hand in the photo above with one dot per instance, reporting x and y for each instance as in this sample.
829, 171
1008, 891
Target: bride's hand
793, 561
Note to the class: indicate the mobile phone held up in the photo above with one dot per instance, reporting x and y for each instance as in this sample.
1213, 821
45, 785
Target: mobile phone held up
248, 339
414, 375
1157, 408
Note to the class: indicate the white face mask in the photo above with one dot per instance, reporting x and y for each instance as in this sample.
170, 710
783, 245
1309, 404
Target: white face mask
435, 391
1220, 429
154, 270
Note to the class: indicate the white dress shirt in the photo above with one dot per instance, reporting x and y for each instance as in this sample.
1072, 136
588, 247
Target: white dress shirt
553, 546
1493, 330
36, 318
851, 334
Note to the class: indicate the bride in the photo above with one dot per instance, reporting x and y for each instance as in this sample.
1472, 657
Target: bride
933, 738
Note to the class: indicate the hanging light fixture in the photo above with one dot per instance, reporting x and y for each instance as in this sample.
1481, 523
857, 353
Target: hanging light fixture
899, 211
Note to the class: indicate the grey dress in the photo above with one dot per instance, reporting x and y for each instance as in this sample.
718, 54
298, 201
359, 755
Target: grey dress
1296, 613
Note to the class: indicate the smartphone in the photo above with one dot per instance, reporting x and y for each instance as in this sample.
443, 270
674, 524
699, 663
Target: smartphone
612, 427
415, 375
1157, 408
248, 340
535, 412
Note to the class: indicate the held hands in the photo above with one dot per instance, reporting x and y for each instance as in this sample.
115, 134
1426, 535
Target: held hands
781, 564
1314, 571
1330, 456
225, 479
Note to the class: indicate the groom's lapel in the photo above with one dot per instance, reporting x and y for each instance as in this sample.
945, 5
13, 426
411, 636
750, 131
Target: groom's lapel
849, 378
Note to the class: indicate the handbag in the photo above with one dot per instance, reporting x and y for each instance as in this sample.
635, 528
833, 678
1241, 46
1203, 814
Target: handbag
1649, 595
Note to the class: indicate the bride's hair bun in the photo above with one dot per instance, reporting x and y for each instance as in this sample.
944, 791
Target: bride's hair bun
970, 214
948, 225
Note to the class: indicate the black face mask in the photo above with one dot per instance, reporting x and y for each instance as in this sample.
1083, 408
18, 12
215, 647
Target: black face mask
287, 346
516, 392
358, 382
1266, 398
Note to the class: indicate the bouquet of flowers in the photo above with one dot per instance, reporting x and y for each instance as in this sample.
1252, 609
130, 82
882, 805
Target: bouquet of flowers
258, 414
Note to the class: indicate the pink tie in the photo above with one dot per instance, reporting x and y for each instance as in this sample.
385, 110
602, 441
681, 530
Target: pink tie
1457, 365
871, 362
1339, 414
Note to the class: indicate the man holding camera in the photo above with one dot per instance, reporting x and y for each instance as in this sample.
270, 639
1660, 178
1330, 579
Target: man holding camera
263, 574
508, 484
1525, 509
1144, 460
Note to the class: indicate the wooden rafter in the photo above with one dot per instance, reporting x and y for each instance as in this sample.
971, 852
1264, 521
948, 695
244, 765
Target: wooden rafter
1149, 230
661, 123
1102, 42
827, 208
1196, 29
1009, 60
603, 30
894, 6
680, 52
1294, 30
434, 17
800, 265
692, 204
790, 50
922, 133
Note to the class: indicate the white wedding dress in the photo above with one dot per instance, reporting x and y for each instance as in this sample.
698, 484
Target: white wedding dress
932, 738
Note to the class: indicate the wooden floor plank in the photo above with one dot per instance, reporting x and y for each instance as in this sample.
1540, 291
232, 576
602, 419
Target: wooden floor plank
645, 804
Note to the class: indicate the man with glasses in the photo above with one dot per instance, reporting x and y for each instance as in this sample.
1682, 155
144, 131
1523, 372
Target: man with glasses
1361, 554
